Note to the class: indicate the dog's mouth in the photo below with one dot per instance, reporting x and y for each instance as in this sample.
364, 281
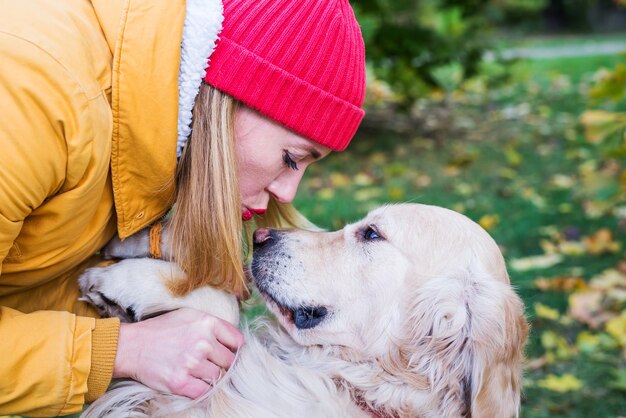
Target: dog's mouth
302, 317
307, 317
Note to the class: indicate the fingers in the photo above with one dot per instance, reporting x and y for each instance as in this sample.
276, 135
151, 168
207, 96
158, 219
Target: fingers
208, 372
188, 351
228, 335
215, 352
190, 387
223, 331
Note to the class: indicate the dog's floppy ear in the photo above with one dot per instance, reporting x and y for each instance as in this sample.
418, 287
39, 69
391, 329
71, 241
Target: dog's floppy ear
467, 334
498, 334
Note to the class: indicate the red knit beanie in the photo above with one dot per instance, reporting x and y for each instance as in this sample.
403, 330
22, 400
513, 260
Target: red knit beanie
300, 62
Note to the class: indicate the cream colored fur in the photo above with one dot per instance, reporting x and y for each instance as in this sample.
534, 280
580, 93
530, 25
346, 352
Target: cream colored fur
421, 322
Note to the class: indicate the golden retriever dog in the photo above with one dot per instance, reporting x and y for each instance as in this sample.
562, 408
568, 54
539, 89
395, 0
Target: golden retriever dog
406, 313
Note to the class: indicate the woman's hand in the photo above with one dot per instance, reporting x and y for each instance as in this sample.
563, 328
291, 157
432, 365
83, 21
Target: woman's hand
181, 352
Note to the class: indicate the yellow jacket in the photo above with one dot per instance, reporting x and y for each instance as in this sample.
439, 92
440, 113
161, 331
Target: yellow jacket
88, 110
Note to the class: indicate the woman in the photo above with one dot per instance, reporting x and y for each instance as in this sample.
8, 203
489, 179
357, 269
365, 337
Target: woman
93, 146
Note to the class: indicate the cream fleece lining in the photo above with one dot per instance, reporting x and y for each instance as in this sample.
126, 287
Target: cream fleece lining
203, 24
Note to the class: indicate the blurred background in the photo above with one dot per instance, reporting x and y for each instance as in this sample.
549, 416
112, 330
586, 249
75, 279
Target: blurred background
512, 112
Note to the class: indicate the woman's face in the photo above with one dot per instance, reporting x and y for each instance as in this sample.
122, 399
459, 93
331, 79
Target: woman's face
272, 160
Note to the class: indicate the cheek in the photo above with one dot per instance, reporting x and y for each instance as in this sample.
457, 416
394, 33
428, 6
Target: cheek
254, 174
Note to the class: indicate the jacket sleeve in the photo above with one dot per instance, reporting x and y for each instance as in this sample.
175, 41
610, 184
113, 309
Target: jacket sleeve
46, 359
35, 119
50, 362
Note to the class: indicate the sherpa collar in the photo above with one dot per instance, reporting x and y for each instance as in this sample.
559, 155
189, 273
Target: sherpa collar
203, 23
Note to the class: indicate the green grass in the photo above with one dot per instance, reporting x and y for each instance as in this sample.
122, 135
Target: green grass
574, 40
575, 68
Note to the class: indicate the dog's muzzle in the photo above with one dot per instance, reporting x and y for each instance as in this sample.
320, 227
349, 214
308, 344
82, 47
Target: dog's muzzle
263, 239
266, 270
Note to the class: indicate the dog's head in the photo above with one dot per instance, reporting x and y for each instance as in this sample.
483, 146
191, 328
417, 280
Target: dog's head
419, 288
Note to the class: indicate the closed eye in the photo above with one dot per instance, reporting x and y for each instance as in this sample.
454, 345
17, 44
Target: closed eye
370, 233
289, 161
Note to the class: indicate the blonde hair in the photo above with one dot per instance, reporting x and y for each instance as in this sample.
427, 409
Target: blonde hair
207, 232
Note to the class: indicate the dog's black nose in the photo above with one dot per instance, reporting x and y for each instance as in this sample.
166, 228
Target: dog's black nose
263, 237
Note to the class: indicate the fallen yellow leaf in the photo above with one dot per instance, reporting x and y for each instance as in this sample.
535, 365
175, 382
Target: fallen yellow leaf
599, 124
611, 281
557, 347
339, 180
536, 262
546, 312
326, 193
363, 179
587, 341
396, 193
572, 248
617, 328
602, 303
565, 383
586, 307
560, 283
563, 181
601, 242
367, 194
488, 222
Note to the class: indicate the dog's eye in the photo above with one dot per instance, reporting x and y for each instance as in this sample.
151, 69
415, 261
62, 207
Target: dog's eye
370, 233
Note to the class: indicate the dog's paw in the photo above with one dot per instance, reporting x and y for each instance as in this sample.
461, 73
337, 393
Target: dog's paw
136, 289
94, 291
131, 289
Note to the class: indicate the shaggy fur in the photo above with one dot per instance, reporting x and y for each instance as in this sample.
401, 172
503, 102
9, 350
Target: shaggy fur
407, 313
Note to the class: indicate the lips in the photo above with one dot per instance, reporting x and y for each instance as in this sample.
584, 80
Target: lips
246, 214
306, 317
303, 316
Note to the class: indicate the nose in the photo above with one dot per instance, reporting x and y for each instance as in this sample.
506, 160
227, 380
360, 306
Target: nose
264, 237
284, 187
